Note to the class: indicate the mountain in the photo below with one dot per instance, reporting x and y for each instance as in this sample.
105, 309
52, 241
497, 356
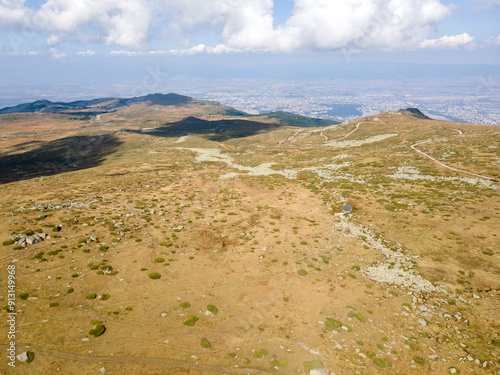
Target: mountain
292, 119
218, 237
204, 107
415, 112
112, 104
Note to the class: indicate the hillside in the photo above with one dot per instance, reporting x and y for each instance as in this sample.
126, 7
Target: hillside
291, 119
169, 235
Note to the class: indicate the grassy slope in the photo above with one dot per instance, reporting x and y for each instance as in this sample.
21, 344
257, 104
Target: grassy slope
264, 232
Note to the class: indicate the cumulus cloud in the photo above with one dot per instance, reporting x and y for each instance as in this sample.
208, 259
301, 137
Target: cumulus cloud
240, 24
199, 49
85, 53
56, 54
12, 12
360, 24
448, 42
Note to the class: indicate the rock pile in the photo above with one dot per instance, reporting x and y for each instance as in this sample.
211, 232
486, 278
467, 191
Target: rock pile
24, 239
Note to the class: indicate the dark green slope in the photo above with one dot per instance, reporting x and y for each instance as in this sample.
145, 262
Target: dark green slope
292, 119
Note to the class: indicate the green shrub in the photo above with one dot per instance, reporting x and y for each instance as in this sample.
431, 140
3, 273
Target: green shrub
302, 272
154, 275
205, 343
380, 363
419, 360
103, 248
91, 296
23, 296
53, 304
260, 353
98, 330
31, 357
105, 297
315, 363
331, 324
70, 290
214, 310
159, 260
190, 320
184, 305
8, 242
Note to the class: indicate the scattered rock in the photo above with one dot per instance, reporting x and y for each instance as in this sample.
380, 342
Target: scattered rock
23, 357
422, 322
317, 371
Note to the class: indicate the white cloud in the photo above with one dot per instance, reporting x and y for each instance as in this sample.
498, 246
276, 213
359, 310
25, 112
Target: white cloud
199, 49
448, 42
12, 12
85, 53
240, 24
56, 54
359, 24
30, 53
123, 53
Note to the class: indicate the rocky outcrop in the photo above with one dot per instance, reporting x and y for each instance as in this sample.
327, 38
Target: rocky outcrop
24, 239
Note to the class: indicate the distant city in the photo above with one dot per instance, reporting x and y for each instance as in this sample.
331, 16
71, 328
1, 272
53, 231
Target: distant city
472, 101
469, 99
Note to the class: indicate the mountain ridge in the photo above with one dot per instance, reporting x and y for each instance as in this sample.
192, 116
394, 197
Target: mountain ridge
110, 104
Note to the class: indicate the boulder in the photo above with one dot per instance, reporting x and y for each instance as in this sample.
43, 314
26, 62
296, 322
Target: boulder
23, 357
32, 239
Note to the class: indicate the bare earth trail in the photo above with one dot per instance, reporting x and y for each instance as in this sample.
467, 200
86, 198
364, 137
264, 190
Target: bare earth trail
146, 360
414, 147
357, 127
290, 138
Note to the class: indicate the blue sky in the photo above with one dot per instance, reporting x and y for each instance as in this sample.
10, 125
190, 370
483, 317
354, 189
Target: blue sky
60, 39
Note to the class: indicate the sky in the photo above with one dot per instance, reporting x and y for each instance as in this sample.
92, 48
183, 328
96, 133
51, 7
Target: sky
61, 40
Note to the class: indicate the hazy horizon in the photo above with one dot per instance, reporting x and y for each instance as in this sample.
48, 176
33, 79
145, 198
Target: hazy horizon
68, 50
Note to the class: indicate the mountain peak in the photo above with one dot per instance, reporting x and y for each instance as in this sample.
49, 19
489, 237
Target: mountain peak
415, 112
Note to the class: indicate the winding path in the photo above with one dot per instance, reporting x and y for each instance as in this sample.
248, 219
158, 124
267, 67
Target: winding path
414, 147
338, 139
146, 360
297, 132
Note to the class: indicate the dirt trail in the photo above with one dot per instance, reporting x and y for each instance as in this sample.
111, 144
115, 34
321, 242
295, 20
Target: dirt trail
148, 360
297, 132
357, 127
414, 147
